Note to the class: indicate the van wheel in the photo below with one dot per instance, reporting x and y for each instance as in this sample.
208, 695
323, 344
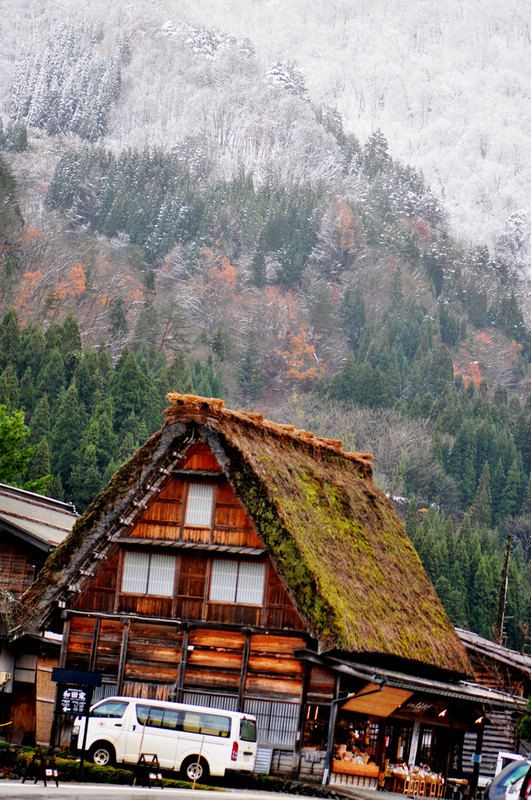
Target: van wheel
102, 754
194, 769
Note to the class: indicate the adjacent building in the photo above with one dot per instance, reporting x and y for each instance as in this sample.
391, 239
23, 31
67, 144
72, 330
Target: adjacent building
31, 527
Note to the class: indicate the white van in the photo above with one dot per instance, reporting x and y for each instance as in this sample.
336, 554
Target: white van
193, 740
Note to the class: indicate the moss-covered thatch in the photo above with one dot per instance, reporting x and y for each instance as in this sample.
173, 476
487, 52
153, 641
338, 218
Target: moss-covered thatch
333, 536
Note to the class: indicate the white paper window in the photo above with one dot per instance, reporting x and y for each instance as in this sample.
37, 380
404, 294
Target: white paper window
161, 575
199, 504
148, 573
237, 582
223, 581
135, 573
250, 591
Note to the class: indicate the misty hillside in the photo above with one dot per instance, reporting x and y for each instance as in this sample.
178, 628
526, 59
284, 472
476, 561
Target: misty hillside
180, 210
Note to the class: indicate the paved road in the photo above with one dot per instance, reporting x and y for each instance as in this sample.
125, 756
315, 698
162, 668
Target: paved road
11, 790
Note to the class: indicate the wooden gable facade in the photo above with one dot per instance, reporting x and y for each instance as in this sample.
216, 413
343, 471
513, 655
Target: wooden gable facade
153, 621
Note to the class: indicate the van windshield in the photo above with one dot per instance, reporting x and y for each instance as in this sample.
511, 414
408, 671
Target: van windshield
514, 774
113, 708
248, 730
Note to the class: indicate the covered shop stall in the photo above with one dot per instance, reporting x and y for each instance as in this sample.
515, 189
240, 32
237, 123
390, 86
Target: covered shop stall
404, 732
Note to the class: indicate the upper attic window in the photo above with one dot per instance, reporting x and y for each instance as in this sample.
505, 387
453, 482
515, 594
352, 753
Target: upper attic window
199, 505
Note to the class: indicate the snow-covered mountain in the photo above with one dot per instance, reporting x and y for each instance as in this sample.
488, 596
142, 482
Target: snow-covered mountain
446, 82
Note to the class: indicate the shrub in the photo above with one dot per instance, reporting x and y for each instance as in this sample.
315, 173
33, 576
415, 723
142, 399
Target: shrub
92, 773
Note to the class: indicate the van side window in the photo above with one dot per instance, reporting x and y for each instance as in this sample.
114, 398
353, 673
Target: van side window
208, 724
187, 721
114, 709
172, 720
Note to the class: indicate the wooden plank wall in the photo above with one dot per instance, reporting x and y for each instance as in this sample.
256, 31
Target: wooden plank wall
45, 698
17, 568
494, 673
155, 654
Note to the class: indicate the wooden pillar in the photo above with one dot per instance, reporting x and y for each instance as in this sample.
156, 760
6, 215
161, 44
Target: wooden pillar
380, 750
123, 657
297, 755
94, 648
331, 732
62, 662
415, 736
179, 685
243, 672
477, 760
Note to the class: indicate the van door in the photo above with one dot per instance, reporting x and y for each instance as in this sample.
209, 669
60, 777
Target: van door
208, 734
107, 722
153, 731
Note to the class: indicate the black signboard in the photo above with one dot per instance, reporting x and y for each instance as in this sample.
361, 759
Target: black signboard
76, 677
75, 700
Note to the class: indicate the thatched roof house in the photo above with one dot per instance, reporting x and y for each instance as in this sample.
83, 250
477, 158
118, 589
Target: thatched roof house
332, 535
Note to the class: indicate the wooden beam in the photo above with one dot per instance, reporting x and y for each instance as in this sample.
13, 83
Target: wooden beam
198, 473
179, 623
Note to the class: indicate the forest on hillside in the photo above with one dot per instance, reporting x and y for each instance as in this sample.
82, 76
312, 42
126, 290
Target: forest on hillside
273, 259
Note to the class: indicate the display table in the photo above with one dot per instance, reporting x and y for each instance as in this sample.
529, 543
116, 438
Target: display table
354, 774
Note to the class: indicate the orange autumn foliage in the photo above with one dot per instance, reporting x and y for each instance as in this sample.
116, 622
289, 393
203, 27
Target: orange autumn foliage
301, 359
346, 224
422, 228
30, 234
28, 285
484, 338
471, 374
75, 283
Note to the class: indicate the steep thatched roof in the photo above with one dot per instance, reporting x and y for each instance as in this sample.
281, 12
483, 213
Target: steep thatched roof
333, 536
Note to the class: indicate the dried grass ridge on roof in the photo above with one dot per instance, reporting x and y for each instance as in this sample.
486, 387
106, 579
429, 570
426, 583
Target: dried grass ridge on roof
216, 407
334, 538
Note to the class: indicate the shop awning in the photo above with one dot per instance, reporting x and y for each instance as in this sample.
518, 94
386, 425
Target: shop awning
378, 700
463, 691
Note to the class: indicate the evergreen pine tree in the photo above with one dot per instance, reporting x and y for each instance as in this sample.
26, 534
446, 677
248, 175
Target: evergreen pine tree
40, 421
511, 492
118, 318
66, 435
258, 269
51, 380
483, 607
27, 390
15, 452
352, 313
250, 376
39, 468
9, 340
85, 478
480, 511
9, 388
